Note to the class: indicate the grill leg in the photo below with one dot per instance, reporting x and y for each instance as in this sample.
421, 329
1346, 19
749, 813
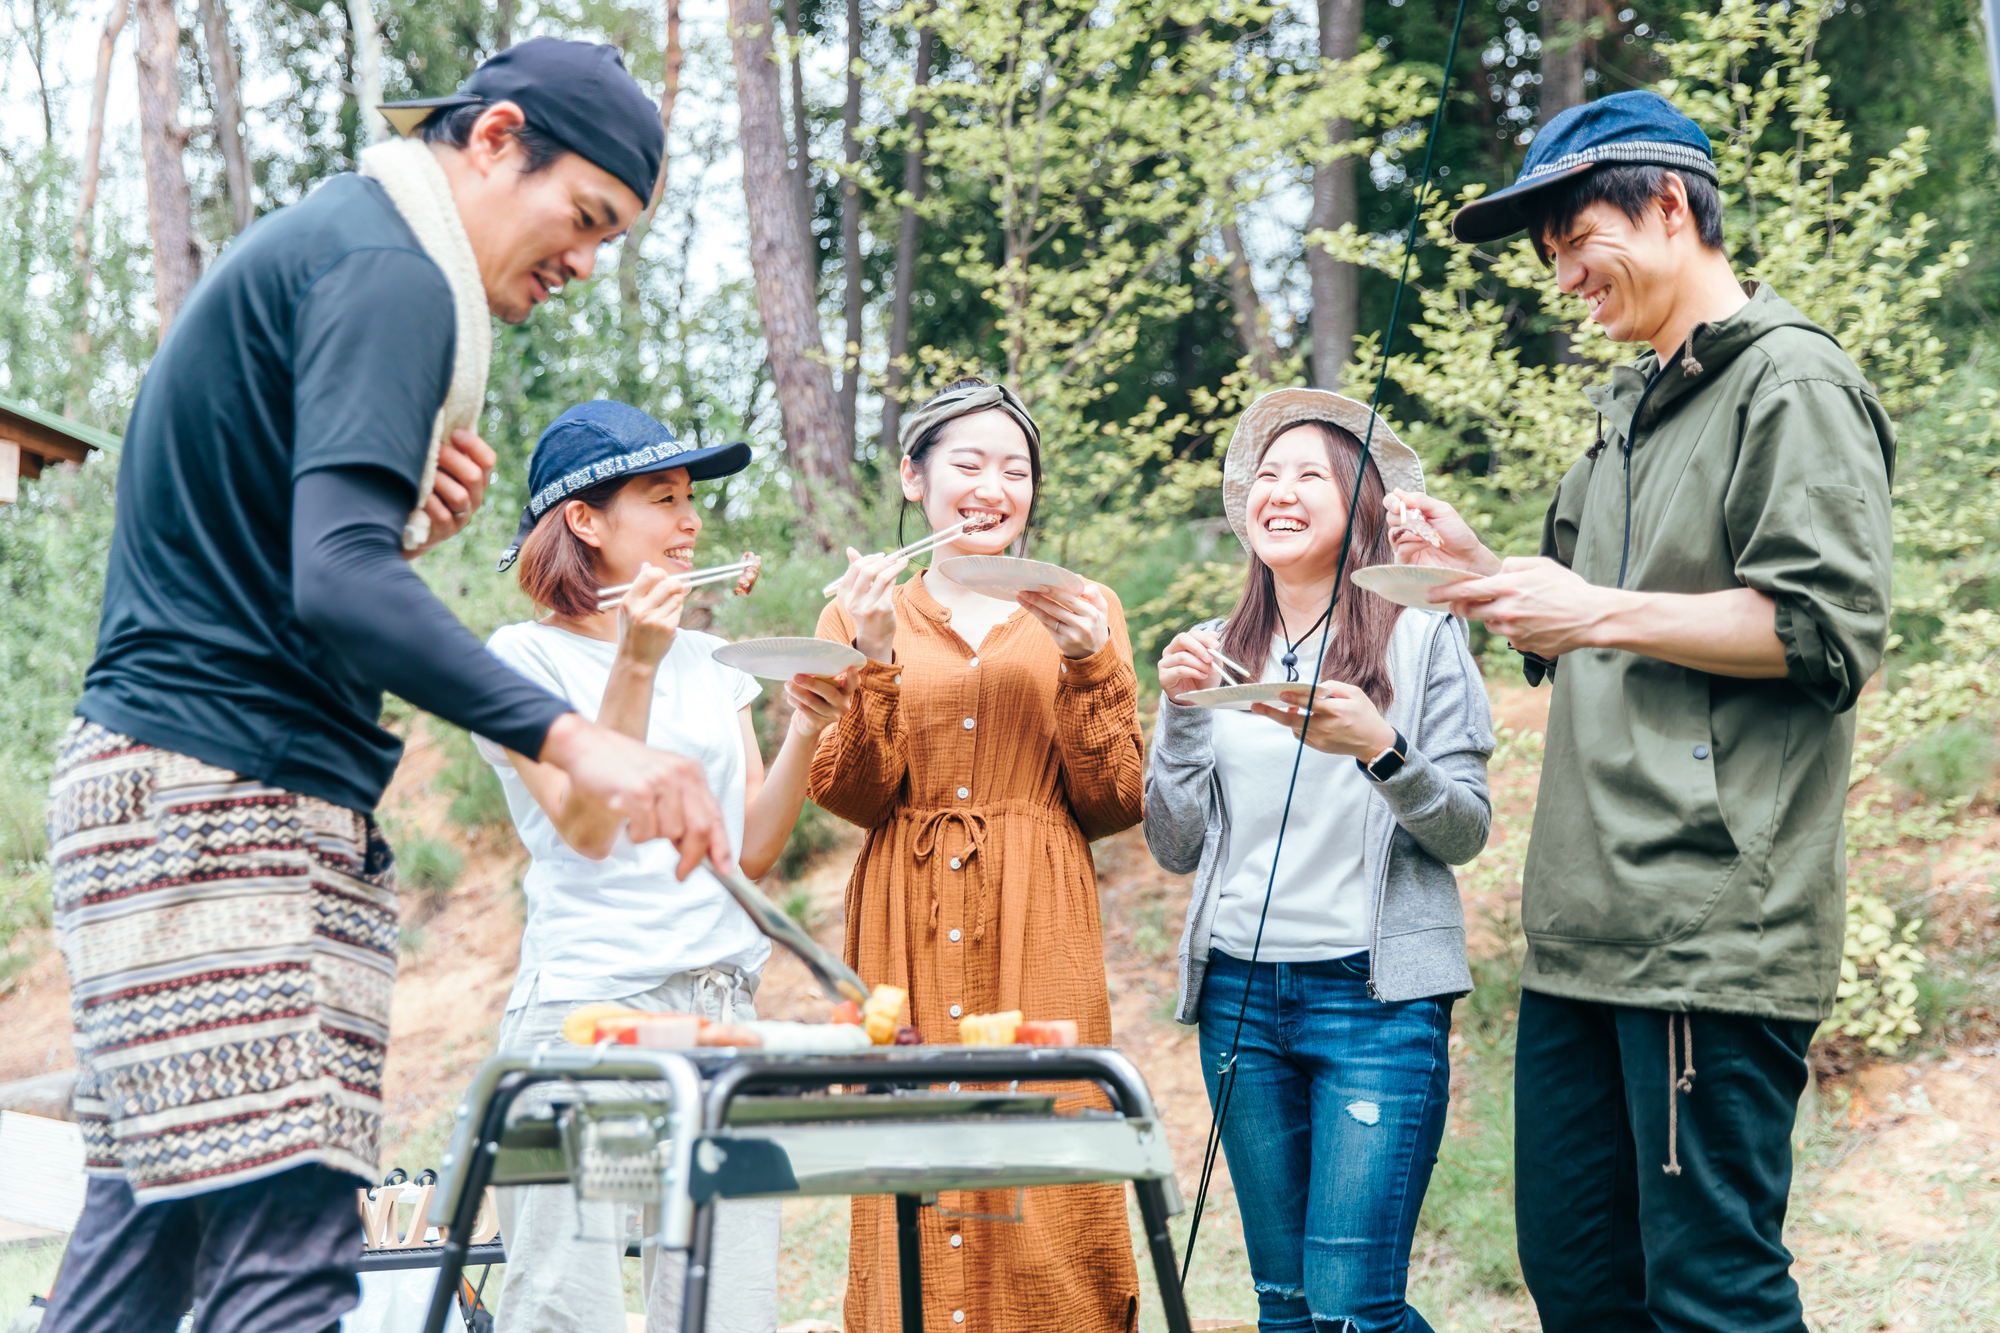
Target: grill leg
694, 1296
1153, 1213
465, 1218
909, 1263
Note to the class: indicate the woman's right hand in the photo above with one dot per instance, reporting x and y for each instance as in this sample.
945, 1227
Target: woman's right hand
1457, 546
1188, 664
867, 593
648, 616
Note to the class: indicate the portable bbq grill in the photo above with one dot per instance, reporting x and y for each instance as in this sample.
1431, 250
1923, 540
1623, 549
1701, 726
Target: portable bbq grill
683, 1129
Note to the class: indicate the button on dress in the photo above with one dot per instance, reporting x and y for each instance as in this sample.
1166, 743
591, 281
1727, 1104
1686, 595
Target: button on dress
983, 905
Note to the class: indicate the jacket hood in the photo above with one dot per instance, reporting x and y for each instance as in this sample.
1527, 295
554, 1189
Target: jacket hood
1708, 349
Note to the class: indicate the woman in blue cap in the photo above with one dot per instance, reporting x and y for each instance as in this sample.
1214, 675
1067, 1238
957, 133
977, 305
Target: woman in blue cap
613, 502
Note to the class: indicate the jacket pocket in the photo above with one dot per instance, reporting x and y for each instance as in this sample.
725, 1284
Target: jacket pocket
1630, 842
1840, 533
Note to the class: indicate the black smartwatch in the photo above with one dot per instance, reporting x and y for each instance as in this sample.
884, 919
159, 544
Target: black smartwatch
1389, 763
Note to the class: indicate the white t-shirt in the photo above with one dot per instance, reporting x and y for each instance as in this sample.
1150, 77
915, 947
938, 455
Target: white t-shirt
1321, 906
602, 930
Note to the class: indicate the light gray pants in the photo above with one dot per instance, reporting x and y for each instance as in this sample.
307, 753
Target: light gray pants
558, 1283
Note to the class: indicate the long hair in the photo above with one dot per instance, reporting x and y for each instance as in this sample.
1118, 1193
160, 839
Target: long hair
558, 569
1357, 649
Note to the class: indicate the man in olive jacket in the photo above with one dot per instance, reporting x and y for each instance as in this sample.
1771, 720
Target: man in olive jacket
1712, 593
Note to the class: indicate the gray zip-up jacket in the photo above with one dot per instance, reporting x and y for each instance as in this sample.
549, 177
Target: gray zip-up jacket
1432, 815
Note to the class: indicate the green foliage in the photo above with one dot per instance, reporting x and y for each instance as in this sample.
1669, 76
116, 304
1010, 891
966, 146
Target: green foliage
1105, 143
1947, 763
1500, 427
816, 832
428, 866
477, 799
1470, 1203
1876, 1002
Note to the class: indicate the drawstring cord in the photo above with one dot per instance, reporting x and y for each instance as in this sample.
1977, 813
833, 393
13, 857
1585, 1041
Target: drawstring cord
1676, 1085
925, 848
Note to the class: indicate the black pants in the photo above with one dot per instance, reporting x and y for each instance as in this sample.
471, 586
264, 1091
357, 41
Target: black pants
1610, 1241
274, 1256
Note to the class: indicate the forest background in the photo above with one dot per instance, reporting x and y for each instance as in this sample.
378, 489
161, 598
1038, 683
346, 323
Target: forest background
1140, 212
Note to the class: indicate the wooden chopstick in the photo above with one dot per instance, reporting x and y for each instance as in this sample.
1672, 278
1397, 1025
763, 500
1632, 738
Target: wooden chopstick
1231, 668
930, 543
708, 575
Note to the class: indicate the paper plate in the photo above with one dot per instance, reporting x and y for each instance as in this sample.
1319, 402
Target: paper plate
1002, 575
1238, 698
781, 659
1407, 584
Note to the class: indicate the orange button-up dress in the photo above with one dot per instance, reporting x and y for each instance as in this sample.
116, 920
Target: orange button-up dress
981, 777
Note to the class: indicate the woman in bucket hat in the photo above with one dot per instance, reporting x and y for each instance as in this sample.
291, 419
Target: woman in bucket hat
613, 502
1357, 960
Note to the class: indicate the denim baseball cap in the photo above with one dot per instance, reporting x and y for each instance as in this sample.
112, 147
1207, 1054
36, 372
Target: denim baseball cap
577, 93
599, 440
1626, 128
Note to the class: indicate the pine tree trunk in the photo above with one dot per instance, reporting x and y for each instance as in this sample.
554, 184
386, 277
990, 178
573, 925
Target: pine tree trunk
228, 109
370, 127
176, 260
503, 25
1562, 88
801, 130
915, 179
631, 316
1336, 287
1562, 57
850, 228
93, 152
782, 263
1252, 323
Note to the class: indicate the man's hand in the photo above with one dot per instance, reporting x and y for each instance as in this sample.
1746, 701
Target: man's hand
1458, 546
660, 795
465, 466
1538, 605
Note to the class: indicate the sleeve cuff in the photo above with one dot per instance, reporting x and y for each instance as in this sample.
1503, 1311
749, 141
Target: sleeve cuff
1184, 731
881, 678
1415, 788
1103, 665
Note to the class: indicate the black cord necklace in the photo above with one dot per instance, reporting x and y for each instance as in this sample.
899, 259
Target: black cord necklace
1290, 660
1227, 1069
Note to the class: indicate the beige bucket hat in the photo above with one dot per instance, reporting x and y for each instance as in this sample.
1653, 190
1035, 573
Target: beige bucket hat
1277, 412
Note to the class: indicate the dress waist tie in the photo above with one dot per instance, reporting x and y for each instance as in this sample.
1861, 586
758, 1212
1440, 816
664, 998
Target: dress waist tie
973, 825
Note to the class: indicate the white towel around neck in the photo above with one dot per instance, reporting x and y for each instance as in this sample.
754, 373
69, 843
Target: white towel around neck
416, 184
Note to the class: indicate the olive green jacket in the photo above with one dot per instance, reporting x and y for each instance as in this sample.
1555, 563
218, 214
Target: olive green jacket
1688, 850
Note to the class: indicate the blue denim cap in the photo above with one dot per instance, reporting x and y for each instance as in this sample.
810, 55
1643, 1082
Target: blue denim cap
1625, 128
599, 440
577, 93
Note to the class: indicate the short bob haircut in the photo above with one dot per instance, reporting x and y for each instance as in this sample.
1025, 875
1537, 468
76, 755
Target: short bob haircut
558, 569
1629, 189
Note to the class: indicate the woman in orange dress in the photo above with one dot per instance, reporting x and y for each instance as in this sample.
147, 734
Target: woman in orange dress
988, 743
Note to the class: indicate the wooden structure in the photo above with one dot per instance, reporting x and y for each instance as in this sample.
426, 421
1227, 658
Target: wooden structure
31, 439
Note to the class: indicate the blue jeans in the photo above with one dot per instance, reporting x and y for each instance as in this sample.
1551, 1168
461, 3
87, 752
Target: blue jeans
1332, 1130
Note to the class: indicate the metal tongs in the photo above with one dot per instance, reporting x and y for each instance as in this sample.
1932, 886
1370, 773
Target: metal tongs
836, 979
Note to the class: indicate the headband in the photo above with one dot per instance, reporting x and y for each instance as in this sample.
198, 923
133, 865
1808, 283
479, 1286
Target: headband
955, 403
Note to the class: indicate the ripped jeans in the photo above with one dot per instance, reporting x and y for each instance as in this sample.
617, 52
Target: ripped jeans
1332, 1131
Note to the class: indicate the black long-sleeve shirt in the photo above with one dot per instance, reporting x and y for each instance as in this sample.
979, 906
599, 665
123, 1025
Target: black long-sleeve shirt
256, 604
